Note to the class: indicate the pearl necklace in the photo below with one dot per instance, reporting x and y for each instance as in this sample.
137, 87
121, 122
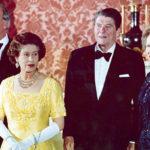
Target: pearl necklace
26, 84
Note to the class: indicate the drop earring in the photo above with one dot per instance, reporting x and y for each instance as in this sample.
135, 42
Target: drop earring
17, 65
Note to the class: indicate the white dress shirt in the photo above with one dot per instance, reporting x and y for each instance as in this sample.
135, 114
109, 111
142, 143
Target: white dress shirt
4, 41
101, 69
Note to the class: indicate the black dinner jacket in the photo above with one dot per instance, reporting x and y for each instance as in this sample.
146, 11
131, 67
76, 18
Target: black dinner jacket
113, 109
6, 68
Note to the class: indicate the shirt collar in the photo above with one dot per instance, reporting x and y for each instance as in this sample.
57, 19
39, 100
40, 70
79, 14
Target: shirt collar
111, 50
4, 40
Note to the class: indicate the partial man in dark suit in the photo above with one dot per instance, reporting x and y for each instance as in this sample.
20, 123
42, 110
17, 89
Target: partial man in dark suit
101, 81
6, 68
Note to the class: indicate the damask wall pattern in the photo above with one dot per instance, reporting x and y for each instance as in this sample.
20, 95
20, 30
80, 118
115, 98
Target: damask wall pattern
63, 25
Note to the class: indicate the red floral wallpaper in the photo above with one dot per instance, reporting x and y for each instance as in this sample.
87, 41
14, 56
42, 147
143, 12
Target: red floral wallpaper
64, 25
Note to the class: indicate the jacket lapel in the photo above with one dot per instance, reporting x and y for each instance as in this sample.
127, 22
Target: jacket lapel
112, 72
89, 63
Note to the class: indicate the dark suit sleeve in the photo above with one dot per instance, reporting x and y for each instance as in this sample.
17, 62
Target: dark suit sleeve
69, 94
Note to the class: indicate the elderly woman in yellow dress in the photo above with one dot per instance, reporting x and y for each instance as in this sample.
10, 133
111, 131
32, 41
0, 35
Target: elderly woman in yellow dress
29, 98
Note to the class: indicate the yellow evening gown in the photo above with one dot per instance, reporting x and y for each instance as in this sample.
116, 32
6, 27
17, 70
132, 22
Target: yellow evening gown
28, 113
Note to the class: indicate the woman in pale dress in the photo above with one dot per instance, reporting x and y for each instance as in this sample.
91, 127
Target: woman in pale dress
29, 98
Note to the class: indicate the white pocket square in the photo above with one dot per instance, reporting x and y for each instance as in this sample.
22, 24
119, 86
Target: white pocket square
124, 75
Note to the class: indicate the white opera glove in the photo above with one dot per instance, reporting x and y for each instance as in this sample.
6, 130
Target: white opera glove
42, 136
15, 147
6, 135
19, 146
12, 143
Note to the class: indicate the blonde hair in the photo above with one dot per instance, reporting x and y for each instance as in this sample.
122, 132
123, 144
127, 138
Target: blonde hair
145, 34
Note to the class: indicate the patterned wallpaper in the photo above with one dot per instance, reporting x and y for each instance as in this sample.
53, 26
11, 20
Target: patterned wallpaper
64, 25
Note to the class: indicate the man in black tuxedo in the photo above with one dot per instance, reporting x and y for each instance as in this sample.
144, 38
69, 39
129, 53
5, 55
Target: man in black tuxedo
6, 68
101, 81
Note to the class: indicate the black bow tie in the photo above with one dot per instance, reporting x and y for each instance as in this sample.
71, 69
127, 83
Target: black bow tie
1, 45
99, 54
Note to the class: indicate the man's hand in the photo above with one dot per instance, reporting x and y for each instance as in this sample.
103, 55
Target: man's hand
131, 146
69, 143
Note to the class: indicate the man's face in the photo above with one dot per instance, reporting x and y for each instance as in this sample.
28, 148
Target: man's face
3, 24
105, 32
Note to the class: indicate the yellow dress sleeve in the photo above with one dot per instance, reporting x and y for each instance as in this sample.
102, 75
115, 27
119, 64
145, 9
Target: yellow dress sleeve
57, 101
2, 112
